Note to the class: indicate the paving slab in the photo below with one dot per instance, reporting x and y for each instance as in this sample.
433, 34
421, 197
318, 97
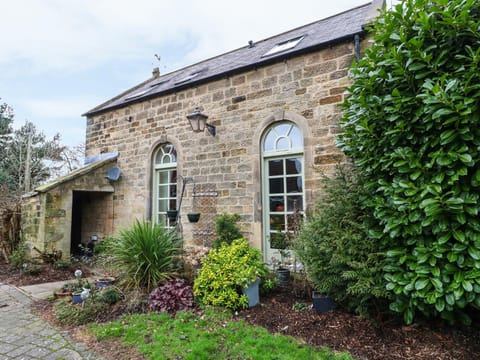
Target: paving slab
42, 291
23, 335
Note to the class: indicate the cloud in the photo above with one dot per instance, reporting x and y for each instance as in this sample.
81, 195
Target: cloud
65, 35
62, 58
57, 108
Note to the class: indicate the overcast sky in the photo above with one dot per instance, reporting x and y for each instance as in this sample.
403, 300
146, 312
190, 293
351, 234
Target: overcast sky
60, 58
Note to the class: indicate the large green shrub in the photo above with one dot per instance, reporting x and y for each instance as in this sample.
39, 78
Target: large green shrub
340, 258
145, 254
225, 271
411, 125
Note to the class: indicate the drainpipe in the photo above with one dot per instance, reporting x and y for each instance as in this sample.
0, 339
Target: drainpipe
356, 40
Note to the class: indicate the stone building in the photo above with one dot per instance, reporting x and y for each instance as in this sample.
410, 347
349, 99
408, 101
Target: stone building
272, 109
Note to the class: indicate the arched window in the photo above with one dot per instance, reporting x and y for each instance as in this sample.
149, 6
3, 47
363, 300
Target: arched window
282, 184
164, 184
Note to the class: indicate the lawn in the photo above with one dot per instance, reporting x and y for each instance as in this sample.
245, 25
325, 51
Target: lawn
212, 334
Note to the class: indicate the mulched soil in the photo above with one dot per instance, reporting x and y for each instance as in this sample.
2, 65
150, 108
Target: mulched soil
363, 338
17, 277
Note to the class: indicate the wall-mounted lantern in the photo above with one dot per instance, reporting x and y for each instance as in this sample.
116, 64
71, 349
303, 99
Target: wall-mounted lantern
198, 122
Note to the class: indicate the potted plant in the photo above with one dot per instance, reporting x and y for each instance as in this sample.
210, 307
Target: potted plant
65, 290
282, 243
80, 288
104, 281
229, 276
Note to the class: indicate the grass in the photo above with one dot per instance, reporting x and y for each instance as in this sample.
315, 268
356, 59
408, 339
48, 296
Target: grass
210, 335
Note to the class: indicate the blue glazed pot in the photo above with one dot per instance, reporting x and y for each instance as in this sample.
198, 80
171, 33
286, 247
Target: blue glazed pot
104, 282
77, 298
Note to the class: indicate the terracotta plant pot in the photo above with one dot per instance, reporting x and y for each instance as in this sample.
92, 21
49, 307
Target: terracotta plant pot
193, 217
61, 294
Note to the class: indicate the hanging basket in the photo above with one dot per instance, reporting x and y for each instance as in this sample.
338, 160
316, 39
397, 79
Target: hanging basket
172, 214
193, 217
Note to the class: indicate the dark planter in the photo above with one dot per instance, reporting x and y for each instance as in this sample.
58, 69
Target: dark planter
322, 303
172, 214
193, 217
283, 276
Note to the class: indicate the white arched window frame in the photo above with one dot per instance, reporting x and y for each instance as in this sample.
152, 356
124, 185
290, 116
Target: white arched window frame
164, 184
282, 184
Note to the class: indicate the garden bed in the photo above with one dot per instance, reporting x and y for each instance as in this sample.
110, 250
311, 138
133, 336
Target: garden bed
365, 339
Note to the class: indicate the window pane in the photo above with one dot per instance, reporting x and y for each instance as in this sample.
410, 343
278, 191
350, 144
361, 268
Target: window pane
283, 144
277, 240
166, 159
163, 191
162, 219
294, 203
269, 144
158, 157
173, 204
173, 176
294, 166
283, 129
163, 177
294, 184
275, 167
173, 190
277, 222
162, 205
277, 203
296, 137
276, 186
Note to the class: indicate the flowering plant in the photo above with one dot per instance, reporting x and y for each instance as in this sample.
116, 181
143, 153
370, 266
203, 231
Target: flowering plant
80, 284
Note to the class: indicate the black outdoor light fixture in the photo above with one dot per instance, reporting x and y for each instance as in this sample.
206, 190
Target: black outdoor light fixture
198, 121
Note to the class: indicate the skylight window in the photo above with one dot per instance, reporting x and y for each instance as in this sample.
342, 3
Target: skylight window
138, 93
284, 46
143, 91
188, 77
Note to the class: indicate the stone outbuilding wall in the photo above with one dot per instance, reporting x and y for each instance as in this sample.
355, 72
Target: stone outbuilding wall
59, 216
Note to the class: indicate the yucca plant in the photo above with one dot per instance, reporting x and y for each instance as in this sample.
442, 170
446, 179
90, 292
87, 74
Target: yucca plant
146, 254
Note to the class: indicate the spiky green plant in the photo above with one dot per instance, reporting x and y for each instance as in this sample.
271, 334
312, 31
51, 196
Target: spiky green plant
145, 254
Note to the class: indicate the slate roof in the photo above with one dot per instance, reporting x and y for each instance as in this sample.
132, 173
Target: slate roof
317, 35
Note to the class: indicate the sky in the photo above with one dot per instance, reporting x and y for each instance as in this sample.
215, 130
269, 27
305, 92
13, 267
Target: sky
61, 58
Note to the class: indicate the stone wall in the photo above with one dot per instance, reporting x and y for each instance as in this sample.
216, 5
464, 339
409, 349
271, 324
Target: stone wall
47, 215
306, 89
